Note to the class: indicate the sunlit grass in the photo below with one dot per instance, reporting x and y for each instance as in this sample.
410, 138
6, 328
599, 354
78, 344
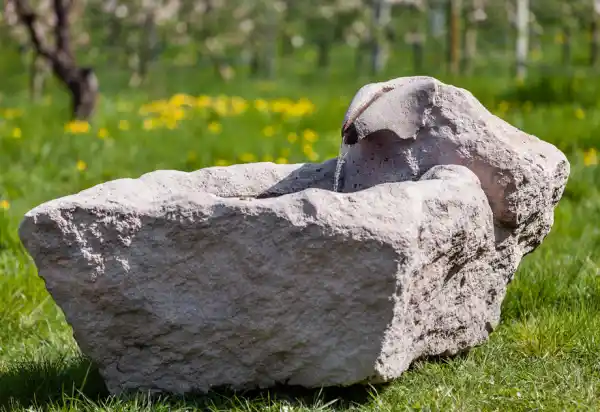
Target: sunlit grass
544, 356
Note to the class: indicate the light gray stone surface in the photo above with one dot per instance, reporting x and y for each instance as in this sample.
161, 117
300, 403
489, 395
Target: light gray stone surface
250, 275
409, 124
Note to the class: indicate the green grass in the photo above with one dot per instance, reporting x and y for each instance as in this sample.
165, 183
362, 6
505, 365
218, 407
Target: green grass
545, 355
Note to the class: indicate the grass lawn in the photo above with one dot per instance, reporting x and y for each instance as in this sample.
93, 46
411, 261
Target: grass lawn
545, 355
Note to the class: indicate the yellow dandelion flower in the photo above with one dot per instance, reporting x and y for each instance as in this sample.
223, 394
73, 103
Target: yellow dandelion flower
77, 127
261, 105
149, 124
221, 162
302, 107
181, 99
238, 105
203, 101
292, 137
309, 152
215, 127
4, 204
281, 160
305, 105
16, 133
156, 106
310, 135
123, 125
176, 113
268, 131
11, 113
280, 105
590, 157
170, 123
247, 158
221, 107
102, 133
579, 113
81, 165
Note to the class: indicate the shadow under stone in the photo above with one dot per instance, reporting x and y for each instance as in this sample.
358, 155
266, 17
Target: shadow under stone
336, 398
40, 385
309, 175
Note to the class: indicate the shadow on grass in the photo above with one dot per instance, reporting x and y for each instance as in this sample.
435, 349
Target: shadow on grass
28, 384
78, 380
334, 398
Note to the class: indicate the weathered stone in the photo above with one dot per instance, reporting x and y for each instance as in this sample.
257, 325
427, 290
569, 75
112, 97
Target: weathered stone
401, 128
250, 275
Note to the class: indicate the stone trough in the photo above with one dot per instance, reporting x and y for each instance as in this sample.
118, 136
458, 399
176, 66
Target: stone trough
259, 274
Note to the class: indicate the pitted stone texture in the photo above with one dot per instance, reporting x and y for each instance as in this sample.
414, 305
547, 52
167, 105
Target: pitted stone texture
169, 287
251, 275
419, 122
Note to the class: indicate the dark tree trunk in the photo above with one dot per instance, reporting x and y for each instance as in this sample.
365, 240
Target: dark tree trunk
454, 46
81, 82
84, 93
287, 48
417, 51
323, 48
255, 65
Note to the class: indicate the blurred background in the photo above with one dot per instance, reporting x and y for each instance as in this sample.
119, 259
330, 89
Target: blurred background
95, 90
92, 90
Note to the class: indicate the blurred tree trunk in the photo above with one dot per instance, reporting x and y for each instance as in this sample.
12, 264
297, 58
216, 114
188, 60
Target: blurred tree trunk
382, 11
359, 57
81, 82
569, 24
522, 46
475, 15
436, 12
271, 34
38, 73
437, 18
415, 36
323, 53
417, 41
287, 46
595, 34
147, 50
254, 63
454, 46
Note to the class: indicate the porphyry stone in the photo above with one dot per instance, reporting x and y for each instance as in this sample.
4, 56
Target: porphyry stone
251, 275
403, 127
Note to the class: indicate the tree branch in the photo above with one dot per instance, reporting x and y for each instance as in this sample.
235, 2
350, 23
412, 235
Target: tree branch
28, 19
62, 27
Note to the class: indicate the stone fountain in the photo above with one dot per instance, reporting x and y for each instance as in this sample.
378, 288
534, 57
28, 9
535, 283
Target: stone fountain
259, 274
